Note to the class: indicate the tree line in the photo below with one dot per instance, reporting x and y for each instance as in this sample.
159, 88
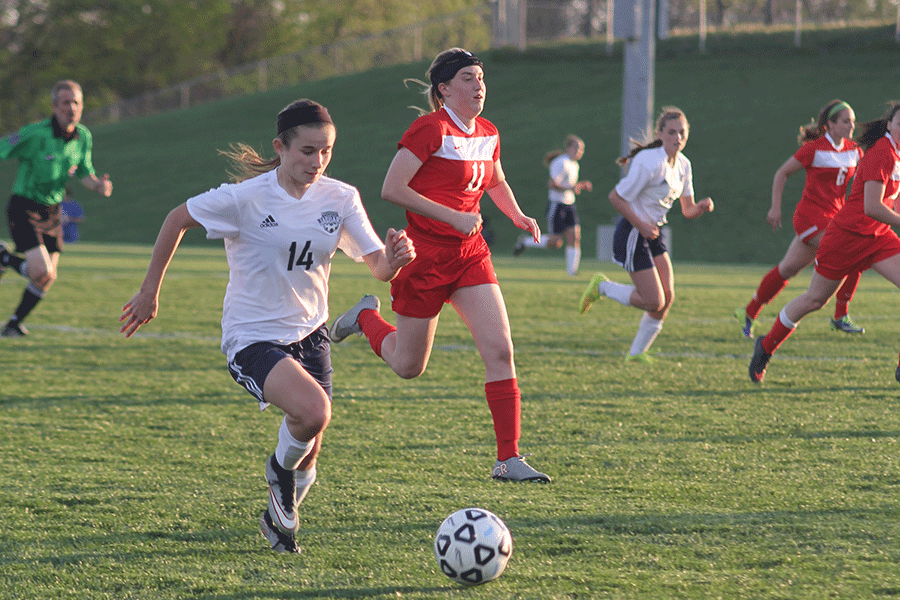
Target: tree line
119, 49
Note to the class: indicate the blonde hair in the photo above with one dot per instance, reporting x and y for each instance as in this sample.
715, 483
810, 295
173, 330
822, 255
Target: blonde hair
570, 141
653, 141
431, 93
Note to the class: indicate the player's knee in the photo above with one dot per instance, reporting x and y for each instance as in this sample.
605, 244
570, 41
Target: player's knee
816, 303
312, 415
316, 418
498, 355
409, 369
42, 276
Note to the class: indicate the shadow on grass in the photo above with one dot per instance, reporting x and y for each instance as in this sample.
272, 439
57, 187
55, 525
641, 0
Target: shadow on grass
373, 592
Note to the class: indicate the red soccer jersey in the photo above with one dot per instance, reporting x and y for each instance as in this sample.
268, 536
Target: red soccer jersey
880, 163
828, 170
456, 167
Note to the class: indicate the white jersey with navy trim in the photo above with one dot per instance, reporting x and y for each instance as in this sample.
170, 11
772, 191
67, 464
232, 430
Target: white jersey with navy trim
651, 185
564, 173
279, 252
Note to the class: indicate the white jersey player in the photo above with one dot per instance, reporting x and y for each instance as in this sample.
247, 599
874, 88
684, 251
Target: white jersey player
562, 216
658, 175
281, 222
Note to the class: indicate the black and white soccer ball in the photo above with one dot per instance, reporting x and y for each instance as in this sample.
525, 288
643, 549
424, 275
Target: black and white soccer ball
472, 546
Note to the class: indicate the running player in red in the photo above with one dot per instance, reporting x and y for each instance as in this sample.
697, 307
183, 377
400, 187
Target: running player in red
830, 158
859, 236
446, 161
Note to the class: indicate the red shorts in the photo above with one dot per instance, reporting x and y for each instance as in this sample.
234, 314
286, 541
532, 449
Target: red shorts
810, 220
424, 285
842, 252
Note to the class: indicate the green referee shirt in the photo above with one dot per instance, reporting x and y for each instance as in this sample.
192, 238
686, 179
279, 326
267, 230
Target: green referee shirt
47, 159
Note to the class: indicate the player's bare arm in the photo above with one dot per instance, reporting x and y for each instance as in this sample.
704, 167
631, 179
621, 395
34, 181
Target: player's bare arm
502, 196
396, 190
398, 252
144, 305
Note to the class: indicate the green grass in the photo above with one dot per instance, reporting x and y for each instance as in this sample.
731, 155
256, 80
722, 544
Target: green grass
745, 97
133, 468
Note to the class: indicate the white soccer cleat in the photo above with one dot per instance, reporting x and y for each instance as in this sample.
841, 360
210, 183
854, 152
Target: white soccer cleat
347, 323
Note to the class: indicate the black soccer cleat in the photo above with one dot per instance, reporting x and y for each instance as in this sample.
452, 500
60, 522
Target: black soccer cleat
281, 542
759, 361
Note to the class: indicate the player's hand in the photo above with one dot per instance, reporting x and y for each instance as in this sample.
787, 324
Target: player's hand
399, 249
648, 231
139, 310
530, 225
774, 218
706, 205
104, 186
467, 223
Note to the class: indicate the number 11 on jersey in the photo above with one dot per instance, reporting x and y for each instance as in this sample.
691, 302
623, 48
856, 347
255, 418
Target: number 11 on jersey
477, 176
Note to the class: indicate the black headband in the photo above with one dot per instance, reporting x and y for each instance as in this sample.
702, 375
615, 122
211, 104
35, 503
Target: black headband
448, 69
303, 114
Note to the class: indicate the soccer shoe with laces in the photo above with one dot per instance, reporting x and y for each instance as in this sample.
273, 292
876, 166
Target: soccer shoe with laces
759, 361
281, 496
591, 292
746, 322
347, 324
516, 469
281, 542
14, 329
846, 325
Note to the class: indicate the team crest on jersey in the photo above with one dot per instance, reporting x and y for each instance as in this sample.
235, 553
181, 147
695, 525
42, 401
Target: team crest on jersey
330, 221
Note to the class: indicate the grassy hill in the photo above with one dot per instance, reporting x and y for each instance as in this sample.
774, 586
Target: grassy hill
745, 97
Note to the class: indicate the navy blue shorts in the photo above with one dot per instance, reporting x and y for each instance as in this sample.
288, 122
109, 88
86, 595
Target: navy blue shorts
252, 365
632, 251
561, 217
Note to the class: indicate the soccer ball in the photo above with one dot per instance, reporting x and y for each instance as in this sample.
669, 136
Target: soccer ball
472, 546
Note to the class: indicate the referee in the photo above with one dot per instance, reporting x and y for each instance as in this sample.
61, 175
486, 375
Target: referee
49, 153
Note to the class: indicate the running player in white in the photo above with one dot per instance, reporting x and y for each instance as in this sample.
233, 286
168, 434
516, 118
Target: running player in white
658, 174
562, 216
281, 222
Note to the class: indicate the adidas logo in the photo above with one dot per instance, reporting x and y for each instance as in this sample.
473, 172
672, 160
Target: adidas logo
269, 222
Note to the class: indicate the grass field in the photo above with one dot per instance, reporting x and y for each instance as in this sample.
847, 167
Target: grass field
134, 468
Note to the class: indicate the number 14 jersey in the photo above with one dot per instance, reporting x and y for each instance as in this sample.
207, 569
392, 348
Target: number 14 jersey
279, 252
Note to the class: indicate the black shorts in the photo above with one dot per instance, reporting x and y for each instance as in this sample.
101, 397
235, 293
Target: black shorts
561, 217
32, 224
634, 252
252, 365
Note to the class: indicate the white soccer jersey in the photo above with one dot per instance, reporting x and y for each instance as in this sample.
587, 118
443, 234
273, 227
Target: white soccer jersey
564, 172
279, 253
651, 185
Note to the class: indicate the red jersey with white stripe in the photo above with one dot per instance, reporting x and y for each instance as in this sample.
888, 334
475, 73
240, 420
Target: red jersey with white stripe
880, 163
828, 171
456, 168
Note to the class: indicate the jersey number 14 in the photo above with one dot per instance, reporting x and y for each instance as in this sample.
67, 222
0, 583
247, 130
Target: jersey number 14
305, 259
